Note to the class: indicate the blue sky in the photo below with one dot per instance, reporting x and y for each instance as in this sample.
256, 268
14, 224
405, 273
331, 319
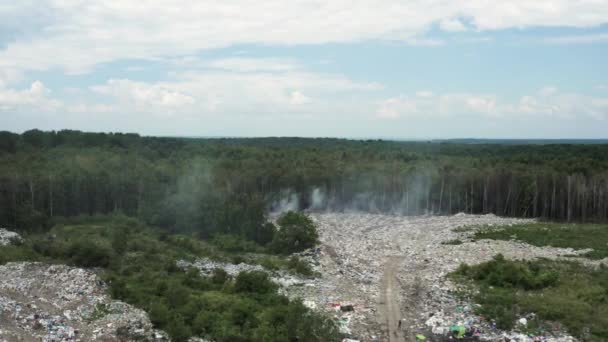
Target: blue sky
391, 69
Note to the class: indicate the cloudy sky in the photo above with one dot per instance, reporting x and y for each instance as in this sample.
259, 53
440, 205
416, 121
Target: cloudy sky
359, 68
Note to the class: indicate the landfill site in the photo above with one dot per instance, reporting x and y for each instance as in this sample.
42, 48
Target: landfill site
382, 277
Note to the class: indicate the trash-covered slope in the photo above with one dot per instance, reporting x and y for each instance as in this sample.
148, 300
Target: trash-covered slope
41, 302
7, 237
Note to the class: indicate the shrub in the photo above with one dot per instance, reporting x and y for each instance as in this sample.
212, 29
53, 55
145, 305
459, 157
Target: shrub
506, 273
89, 254
219, 276
178, 329
555, 291
159, 314
254, 282
299, 266
177, 295
233, 243
297, 232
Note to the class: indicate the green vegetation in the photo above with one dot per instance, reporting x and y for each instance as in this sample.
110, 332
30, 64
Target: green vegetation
138, 262
452, 242
207, 186
212, 197
556, 291
297, 232
576, 236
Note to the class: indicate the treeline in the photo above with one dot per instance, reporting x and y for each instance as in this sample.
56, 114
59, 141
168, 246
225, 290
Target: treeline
217, 186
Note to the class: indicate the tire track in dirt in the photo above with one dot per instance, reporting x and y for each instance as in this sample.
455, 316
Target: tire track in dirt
390, 304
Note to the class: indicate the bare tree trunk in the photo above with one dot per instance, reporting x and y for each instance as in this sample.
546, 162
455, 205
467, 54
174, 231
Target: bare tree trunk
535, 200
485, 195
507, 200
553, 199
428, 198
31, 186
450, 204
441, 192
471, 197
51, 195
569, 205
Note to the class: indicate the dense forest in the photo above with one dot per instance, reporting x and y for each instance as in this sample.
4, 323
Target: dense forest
224, 185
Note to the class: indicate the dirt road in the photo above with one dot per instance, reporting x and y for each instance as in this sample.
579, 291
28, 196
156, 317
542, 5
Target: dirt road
390, 304
393, 267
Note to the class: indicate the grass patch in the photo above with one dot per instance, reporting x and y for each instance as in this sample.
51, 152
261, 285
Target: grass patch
138, 263
555, 291
463, 229
101, 310
452, 242
576, 236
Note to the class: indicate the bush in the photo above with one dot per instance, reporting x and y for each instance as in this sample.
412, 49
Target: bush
299, 266
234, 244
219, 276
296, 233
254, 282
178, 329
89, 254
555, 291
177, 295
506, 273
143, 273
159, 314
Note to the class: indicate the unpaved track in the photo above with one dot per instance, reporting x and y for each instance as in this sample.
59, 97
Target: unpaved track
390, 300
394, 267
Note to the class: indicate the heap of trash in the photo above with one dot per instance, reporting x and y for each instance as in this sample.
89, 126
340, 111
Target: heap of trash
41, 302
347, 311
8, 238
353, 259
207, 266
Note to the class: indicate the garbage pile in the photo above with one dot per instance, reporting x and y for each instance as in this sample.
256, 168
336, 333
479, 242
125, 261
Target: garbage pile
7, 237
353, 257
206, 267
40, 302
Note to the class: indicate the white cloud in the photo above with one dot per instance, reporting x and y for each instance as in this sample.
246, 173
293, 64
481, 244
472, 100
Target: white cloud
396, 107
35, 97
548, 90
253, 64
579, 39
145, 97
78, 35
297, 98
452, 25
211, 92
424, 93
547, 102
424, 42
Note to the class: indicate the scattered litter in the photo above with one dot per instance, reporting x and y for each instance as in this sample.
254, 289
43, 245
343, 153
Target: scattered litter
8, 238
523, 321
58, 303
347, 308
352, 258
207, 266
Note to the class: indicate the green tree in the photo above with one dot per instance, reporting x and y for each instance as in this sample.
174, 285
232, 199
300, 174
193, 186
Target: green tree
297, 232
254, 282
159, 314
